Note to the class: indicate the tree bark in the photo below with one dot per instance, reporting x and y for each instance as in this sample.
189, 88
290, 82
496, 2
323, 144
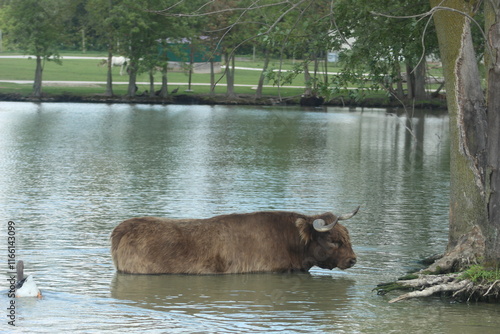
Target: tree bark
109, 77
416, 80
467, 110
400, 94
132, 87
420, 72
151, 83
37, 84
410, 81
191, 68
212, 78
258, 92
230, 74
492, 230
307, 80
164, 81
315, 76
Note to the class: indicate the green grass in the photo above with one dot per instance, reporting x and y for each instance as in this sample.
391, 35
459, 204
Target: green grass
479, 274
88, 70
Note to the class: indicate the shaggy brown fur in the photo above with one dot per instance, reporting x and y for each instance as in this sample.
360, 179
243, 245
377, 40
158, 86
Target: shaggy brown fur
235, 243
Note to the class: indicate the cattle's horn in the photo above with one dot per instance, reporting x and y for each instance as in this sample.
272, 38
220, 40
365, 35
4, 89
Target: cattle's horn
319, 225
349, 215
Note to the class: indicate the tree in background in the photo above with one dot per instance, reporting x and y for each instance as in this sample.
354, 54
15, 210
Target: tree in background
37, 28
313, 39
132, 29
211, 27
229, 25
79, 35
168, 28
226, 28
104, 23
381, 42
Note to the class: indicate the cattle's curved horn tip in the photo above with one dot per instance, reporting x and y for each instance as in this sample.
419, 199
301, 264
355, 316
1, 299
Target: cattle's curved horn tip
350, 215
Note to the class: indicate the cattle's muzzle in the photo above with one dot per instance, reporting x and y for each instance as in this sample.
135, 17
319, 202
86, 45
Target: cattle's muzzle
347, 264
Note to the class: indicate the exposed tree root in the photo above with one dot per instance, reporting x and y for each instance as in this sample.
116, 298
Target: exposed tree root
472, 283
429, 291
466, 252
449, 285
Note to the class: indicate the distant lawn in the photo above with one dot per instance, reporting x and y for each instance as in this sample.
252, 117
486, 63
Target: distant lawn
88, 70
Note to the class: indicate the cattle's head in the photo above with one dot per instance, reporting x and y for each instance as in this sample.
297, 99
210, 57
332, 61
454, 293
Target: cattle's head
327, 242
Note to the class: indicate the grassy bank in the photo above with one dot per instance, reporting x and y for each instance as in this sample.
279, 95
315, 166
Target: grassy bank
88, 70
85, 78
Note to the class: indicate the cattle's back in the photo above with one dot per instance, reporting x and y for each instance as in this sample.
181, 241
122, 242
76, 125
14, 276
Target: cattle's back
140, 245
223, 244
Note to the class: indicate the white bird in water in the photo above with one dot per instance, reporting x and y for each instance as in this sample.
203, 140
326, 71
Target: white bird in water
26, 287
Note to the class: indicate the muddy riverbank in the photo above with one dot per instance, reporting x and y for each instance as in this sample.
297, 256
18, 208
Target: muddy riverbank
222, 99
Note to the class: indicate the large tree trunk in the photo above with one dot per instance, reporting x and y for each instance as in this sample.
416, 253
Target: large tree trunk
492, 229
37, 84
466, 106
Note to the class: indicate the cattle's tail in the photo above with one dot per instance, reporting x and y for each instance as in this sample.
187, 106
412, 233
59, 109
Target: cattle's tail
116, 238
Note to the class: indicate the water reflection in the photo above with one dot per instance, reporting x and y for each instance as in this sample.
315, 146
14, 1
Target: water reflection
268, 300
261, 290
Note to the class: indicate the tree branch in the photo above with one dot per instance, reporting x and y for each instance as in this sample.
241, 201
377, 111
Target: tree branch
431, 14
453, 286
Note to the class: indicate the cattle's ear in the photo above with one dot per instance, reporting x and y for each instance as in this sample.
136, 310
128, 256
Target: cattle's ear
305, 230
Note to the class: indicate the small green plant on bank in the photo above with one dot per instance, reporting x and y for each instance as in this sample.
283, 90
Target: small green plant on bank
480, 275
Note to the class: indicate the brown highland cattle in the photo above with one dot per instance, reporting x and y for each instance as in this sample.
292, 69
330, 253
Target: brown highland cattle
234, 243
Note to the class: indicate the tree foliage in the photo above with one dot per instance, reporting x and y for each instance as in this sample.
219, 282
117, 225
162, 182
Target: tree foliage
304, 30
36, 27
385, 37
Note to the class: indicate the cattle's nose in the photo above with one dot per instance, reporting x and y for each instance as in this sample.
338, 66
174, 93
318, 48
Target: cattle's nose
352, 262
